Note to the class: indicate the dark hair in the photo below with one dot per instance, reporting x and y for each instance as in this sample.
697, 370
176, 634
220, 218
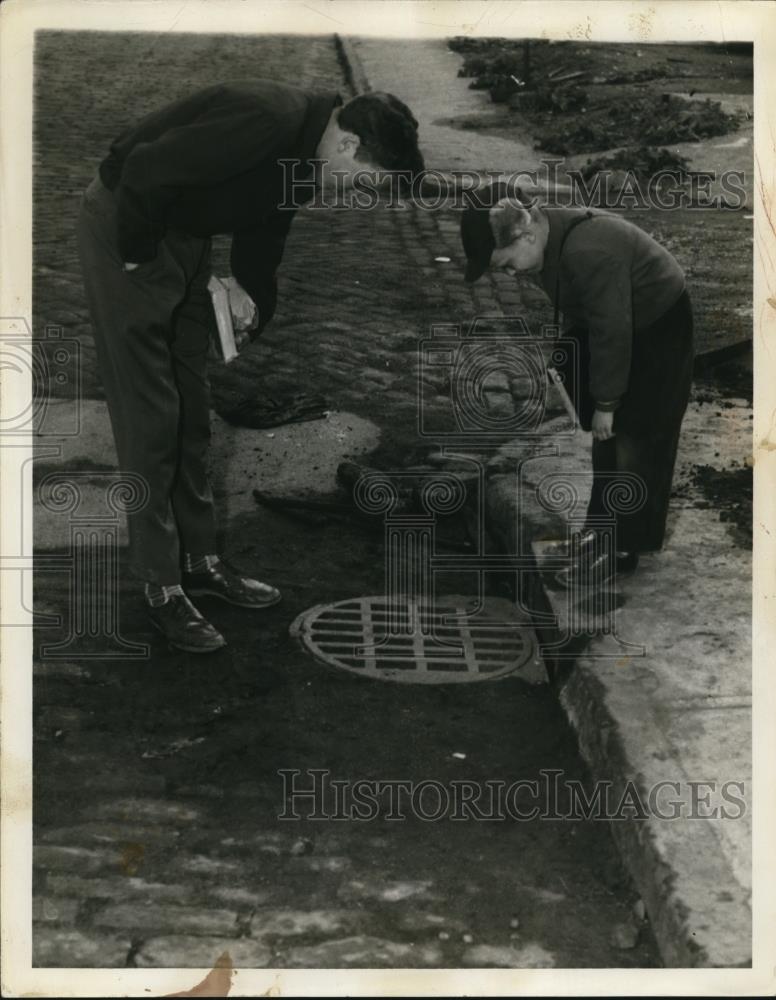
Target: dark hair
388, 131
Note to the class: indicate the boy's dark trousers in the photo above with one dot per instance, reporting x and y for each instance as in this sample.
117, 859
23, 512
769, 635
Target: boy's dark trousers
646, 425
152, 329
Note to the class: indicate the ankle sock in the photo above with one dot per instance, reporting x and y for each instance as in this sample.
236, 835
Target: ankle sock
157, 595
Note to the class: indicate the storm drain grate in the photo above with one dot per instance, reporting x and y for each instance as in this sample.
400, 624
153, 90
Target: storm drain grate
452, 641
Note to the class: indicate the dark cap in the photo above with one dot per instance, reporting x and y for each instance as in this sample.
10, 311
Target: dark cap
476, 234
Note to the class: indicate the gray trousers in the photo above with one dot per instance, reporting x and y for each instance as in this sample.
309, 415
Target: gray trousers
152, 329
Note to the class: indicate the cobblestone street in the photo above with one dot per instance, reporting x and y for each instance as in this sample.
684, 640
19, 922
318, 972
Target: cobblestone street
157, 791
158, 794
158, 785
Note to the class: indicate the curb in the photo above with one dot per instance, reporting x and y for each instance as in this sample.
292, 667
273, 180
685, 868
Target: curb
435, 183
697, 913
673, 910
352, 67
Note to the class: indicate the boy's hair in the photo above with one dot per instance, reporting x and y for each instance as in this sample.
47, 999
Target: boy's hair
387, 129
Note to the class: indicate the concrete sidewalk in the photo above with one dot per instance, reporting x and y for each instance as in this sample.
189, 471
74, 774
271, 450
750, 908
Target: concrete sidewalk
424, 74
674, 703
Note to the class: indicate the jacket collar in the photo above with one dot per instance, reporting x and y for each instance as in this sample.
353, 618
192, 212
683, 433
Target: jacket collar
316, 120
560, 221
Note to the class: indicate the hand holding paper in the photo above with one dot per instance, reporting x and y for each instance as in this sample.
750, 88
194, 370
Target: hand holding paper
236, 314
245, 315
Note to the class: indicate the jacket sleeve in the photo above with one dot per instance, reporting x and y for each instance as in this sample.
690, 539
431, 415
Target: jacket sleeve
255, 258
218, 144
602, 289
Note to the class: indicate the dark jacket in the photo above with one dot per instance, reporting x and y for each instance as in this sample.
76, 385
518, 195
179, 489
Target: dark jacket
208, 164
614, 280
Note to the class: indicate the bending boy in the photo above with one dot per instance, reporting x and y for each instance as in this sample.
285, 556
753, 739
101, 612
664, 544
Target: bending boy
624, 301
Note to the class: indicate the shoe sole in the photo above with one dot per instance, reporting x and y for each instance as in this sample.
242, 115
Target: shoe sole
598, 582
203, 592
187, 649
577, 584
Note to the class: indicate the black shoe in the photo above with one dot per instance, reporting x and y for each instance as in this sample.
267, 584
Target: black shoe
184, 627
586, 541
626, 562
221, 580
587, 573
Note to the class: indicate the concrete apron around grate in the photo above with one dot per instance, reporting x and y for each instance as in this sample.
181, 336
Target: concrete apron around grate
456, 640
74, 445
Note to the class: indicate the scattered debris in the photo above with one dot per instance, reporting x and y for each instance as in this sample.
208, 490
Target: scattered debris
268, 412
728, 371
642, 161
582, 99
490, 61
651, 120
551, 96
730, 491
639, 910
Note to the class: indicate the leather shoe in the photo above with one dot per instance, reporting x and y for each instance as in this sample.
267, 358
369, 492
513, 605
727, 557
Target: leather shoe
184, 627
565, 547
223, 581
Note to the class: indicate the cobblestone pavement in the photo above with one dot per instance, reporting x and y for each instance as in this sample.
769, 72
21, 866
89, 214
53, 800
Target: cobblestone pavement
358, 290
158, 794
157, 791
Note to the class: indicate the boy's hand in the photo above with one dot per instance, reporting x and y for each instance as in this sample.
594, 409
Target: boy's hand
603, 425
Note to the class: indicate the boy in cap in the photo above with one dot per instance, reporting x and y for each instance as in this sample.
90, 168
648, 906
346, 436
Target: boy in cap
206, 164
624, 302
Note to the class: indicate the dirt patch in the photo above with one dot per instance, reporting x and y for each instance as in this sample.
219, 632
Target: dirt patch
730, 492
576, 98
733, 380
615, 120
494, 62
643, 162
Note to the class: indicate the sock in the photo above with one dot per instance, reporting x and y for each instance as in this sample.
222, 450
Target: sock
198, 564
157, 595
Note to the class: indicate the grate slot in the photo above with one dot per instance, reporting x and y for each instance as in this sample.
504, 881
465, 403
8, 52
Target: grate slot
453, 642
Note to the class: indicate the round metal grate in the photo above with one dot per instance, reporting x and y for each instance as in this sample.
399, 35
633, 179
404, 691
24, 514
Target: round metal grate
454, 641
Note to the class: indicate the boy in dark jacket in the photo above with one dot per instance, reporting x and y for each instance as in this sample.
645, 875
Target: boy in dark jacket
624, 300
206, 164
